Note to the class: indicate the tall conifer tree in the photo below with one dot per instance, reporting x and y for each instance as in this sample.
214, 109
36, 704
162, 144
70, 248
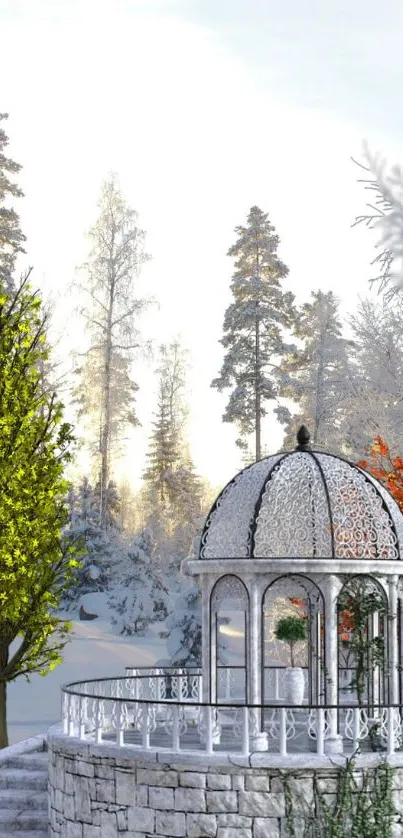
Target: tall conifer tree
376, 407
318, 375
106, 390
11, 236
101, 548
254, 326
173, 490
165, 453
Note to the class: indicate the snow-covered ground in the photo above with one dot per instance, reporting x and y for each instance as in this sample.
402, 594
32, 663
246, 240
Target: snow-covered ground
93, 652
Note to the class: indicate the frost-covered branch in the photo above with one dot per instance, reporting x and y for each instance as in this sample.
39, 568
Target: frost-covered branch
384, 215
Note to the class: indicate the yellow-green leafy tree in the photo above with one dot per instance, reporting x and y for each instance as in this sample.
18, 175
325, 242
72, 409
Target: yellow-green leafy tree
36, 562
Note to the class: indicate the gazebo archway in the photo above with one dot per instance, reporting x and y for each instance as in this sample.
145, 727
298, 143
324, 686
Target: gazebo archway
363, 642
229, 637
294, 595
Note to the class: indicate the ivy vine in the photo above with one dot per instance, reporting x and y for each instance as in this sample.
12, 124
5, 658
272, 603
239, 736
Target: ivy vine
361, 806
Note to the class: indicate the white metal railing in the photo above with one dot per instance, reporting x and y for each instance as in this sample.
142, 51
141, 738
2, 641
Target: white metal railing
163, 710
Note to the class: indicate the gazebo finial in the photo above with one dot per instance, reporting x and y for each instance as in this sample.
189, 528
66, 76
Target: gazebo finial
303, 438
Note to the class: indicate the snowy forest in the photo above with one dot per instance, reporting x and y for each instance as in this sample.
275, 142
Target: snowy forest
296, 363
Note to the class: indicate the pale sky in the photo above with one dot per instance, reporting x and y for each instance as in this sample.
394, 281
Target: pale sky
204, 108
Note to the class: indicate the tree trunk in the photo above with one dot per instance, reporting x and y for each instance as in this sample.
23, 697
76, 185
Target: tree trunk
105, 440
257, 368
4, 656
3, 715
319, 396
257, 389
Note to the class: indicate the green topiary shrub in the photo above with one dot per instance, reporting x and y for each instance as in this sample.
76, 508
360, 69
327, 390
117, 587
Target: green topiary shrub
291, 630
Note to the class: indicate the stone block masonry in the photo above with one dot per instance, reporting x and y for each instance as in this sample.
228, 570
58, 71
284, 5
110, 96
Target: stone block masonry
106, 791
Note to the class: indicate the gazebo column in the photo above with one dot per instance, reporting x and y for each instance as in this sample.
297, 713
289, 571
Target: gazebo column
209, 670
331, 589
258, 738
393, 641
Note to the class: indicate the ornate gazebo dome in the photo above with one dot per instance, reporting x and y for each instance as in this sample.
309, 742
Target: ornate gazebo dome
305, 504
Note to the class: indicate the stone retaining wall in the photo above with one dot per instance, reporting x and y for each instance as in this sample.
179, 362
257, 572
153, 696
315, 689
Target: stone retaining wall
96, 792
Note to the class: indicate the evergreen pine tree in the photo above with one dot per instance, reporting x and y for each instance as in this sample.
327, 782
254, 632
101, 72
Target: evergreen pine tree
164, 448
184, 643
376, 404
318, 375
184, 629
186, 490
102, 549
253, 327
11, 244
139, 596
173, 490
11, 236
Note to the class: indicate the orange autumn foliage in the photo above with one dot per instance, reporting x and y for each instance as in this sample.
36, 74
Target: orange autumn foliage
346, 625
300, 603
387, 468
346, 619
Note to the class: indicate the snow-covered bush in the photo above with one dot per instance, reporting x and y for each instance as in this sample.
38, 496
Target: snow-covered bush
103, 548
138, 596
184, 625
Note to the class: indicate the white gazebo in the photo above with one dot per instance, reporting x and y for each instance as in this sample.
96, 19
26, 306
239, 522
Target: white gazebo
305, 538
292, 534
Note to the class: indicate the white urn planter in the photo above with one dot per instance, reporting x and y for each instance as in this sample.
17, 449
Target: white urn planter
294, 685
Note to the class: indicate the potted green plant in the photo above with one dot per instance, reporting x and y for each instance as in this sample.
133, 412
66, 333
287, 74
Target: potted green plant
292, 630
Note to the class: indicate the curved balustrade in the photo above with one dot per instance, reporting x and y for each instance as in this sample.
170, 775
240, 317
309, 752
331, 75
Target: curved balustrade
162, 709
231, 680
